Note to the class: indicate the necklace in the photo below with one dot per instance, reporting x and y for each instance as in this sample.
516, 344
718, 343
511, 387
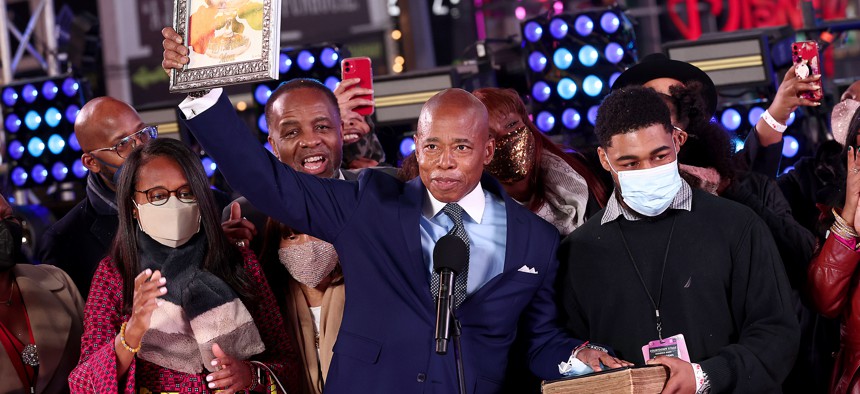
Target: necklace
11, 293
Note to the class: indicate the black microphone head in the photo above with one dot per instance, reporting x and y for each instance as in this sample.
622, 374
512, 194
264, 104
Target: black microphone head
450, 252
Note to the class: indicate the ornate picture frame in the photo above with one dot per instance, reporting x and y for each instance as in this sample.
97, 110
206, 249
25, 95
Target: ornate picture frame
230, 42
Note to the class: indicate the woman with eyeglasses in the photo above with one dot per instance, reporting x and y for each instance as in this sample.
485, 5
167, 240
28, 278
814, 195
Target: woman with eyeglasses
176, 307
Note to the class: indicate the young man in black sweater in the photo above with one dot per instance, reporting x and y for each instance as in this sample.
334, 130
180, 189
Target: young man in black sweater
674, 274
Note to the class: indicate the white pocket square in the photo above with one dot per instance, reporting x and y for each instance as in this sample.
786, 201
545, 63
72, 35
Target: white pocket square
528, 270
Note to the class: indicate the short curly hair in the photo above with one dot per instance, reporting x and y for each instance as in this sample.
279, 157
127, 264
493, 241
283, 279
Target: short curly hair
630, 109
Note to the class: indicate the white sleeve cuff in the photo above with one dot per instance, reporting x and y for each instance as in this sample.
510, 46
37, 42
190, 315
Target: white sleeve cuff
703, 383
192, 107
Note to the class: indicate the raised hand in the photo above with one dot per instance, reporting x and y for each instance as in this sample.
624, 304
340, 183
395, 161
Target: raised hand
175, 53
237, 228
148, 286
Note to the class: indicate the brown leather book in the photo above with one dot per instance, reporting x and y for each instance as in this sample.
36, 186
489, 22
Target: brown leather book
645, 379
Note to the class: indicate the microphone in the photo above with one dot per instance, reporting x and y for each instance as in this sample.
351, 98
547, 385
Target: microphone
450, 257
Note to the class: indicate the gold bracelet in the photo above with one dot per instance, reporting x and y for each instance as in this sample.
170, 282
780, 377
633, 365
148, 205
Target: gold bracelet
848, 230
840, 221
122, 340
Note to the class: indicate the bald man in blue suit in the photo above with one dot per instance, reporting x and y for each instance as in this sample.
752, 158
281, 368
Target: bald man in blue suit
384, 231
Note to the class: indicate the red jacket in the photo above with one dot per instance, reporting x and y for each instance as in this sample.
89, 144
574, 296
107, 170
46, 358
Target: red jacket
833, 284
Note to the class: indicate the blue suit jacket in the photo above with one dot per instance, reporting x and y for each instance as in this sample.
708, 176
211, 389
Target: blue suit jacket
386, 341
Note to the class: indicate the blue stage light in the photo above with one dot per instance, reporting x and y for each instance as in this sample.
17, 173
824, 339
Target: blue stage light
592, 85
30, 93
13, 123
50, 90
592, 114
284, 63
73, 143
53, 117
306, 60
533, 31
328, 57
558, 28
407, 146
545, 121
790, 146
268, 146
262, 124
588, 55
79, 169
70, 87
562, 58
609, 22
731, 119
19, 176
570, 118
541, 91
59, 171
583, 25
209, 166
10, 97
613, 77
331, 82
614, 52
56, 144
16, 149
788, 169
566, 88
36, 146
790, 119
537, 61
39, 173
32, 120
739, 144
72, 113
754, 114
262, 94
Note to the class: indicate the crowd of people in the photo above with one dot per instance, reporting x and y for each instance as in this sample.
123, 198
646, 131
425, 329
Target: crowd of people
670, 249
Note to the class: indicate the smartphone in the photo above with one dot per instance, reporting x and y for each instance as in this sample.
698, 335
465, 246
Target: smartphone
806, 63
359, 67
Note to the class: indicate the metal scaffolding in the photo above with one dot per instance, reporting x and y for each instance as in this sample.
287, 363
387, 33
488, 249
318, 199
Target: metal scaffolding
41, 27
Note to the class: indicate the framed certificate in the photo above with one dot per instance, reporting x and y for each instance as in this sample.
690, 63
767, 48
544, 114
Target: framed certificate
229, 42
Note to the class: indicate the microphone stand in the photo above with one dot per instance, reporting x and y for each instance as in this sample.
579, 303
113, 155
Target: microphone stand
458, 355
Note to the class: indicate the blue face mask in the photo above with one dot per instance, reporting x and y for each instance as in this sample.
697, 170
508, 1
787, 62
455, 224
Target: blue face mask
649, 191
117, 170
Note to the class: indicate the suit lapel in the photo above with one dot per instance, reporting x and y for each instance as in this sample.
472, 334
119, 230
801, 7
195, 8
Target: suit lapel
410, 210
49, 319
516, 237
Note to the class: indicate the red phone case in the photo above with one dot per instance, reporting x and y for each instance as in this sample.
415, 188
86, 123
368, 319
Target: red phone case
359, 67
805, 54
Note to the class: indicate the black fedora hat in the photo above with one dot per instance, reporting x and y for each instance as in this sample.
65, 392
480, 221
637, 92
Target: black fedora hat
658, 65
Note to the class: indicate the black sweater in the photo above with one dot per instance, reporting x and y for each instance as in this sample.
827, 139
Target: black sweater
725, 289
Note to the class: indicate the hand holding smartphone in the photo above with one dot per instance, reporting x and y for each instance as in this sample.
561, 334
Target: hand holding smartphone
807, 63
359, 67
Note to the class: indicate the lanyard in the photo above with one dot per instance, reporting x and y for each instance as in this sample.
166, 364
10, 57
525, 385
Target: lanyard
656, 304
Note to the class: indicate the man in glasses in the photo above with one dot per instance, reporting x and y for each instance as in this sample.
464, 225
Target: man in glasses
107, 130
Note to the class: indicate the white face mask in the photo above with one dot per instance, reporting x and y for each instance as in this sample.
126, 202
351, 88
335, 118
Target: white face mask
649, 191
310, 262
171, 224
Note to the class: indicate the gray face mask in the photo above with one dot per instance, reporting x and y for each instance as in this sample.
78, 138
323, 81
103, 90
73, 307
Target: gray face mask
840, 118
310, 262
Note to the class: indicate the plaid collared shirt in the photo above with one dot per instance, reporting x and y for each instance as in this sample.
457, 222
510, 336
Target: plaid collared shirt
614, 208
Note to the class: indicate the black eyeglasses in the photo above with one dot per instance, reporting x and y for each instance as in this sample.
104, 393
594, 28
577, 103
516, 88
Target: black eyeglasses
127, 144
159, 195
